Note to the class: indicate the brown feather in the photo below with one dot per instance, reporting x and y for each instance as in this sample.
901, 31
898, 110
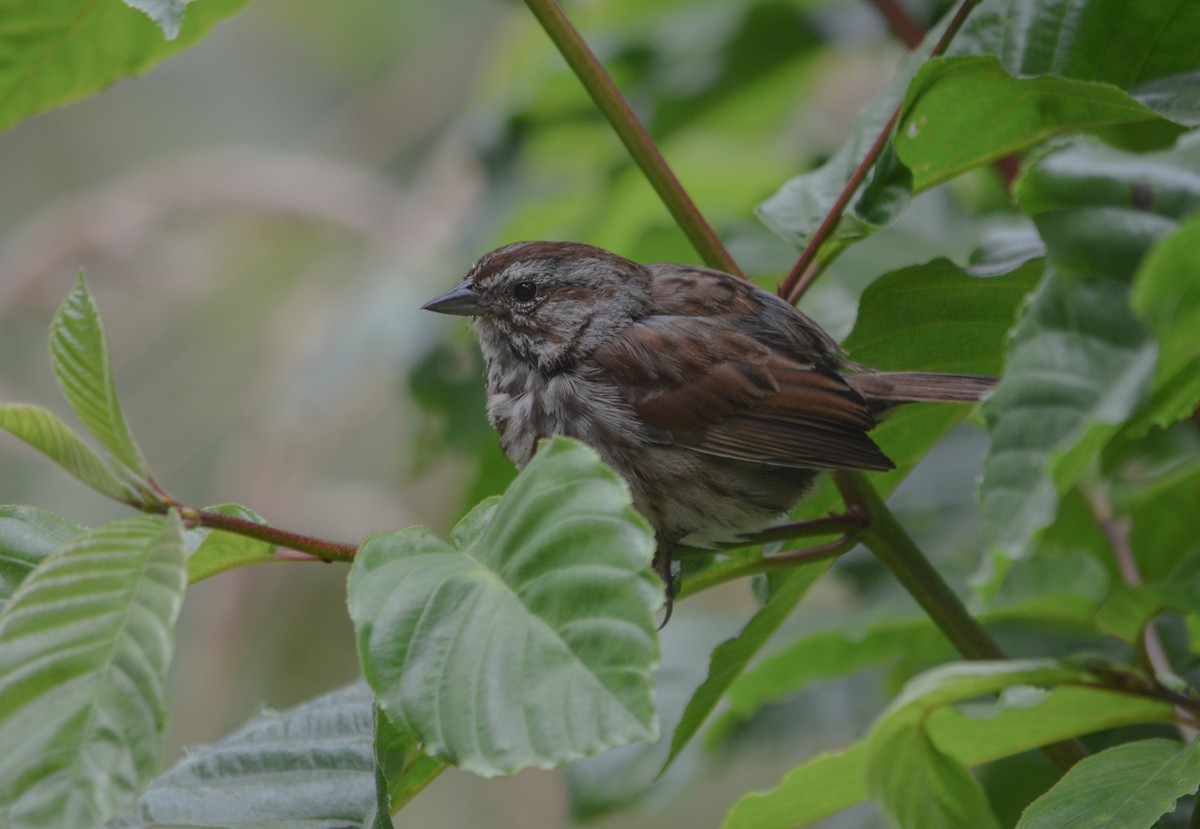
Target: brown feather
718, 391
891, 387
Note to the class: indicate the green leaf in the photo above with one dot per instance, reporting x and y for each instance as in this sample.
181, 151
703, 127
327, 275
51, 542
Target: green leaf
312, 766
57, 51
530, 640
1064, 37
80, 358
922, 787
934, 317
44, 431
952, 798
965, 112
986, 733
829, 783
1080, 361
1164, 529
85, 644
1129, 608
932, 788
1126, 612
1125, 787
27, 536
1166, 295
823, 786
217, 551
404, 768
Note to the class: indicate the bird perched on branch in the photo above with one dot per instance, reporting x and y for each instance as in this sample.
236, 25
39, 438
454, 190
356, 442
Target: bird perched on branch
716, 401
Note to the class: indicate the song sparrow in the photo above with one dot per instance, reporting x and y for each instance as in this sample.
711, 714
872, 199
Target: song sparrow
716, 401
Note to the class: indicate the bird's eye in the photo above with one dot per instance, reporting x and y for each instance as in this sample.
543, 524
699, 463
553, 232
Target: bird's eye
524, 291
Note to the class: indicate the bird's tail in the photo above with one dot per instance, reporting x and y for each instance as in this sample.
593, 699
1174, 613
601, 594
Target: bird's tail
886, 387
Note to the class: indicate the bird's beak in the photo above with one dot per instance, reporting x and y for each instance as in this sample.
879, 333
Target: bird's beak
462, 300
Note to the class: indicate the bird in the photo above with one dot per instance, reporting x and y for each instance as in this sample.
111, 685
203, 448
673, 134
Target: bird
716, 401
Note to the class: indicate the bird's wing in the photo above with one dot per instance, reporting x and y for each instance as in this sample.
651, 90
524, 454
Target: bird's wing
700, 383
693, 291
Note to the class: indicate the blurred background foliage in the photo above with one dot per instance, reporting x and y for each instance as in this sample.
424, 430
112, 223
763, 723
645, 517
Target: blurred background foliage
260, 219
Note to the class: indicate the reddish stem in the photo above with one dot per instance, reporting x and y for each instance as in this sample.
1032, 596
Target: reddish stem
801, 277
1007, 168
901, 24
319, 547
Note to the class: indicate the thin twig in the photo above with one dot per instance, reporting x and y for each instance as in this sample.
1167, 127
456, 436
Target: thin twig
794, 285
728, 571
1116, 530
1007, 168
792, 289
852, 521
900, 22
846, 527
319, 547
160, 501
641, 147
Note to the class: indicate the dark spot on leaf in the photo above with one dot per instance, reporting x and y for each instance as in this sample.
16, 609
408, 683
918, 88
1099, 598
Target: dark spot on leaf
1141, 197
